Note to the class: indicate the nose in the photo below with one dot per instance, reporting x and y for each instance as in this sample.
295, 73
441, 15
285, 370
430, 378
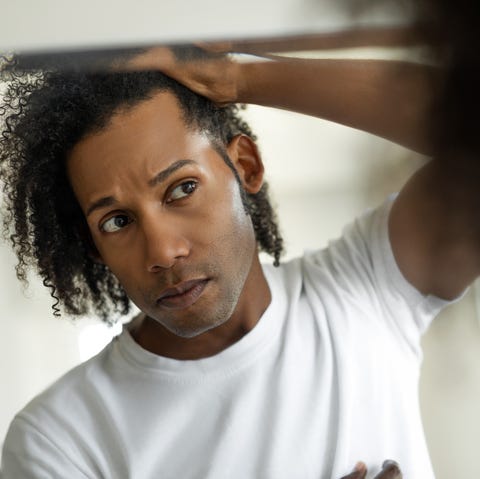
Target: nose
165, 243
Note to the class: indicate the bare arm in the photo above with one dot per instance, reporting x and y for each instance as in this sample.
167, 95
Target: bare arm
434, 225
386, 98
433, 222
435, 229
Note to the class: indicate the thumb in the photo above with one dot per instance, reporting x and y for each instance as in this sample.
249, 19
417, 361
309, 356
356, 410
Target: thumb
154, 58
390, 470
216, 46
359, 471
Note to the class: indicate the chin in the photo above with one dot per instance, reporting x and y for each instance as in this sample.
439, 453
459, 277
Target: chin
193, 330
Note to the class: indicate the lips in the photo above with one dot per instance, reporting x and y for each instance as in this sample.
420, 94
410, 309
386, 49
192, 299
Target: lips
183, 294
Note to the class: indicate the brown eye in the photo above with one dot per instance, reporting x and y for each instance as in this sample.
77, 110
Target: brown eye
184, 189
115, 223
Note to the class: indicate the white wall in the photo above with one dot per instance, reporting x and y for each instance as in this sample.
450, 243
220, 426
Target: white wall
40, 24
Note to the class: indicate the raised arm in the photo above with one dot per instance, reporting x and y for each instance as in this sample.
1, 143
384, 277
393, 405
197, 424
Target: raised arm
434, 227
386, 98
433, 222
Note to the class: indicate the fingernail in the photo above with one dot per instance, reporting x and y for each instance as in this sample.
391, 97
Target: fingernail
359, 467
390, 463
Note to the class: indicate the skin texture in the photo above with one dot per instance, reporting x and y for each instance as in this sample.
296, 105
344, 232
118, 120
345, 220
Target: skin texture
182, 231
433, 223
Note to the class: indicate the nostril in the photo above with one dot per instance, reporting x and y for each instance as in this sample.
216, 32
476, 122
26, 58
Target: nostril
155, 268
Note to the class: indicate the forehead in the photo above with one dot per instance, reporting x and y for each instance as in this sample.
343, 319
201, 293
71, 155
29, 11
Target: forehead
159, 116
137, 142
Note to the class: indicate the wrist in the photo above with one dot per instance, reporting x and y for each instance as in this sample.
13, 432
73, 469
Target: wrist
250, 74
242, 72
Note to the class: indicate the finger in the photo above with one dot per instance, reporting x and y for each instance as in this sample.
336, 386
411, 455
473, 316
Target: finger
359, 472
195, 53
155, 58
216, 47
390, 470
171, 60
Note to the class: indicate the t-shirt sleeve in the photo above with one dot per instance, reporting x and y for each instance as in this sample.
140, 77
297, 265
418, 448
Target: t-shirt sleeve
30, 454
365, 276
393, 288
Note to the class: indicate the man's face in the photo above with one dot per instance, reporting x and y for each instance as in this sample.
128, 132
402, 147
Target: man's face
166, 216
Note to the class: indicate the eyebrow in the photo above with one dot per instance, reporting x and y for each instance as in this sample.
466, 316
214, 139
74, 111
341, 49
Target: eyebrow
158, 178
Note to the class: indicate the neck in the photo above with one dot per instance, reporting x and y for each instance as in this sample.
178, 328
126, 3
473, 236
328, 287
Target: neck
252, 303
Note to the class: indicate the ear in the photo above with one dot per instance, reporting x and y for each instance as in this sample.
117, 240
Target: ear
246, 159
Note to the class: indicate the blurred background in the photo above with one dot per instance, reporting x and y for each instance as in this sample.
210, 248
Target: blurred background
321, 175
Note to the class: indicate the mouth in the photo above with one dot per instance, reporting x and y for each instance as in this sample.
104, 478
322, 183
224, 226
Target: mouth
183, 294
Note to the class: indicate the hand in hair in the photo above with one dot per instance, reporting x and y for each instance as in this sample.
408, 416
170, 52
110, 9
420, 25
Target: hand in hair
205, 67
209, 73
358, 93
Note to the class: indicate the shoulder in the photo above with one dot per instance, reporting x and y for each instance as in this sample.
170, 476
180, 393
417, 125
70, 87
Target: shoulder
348, 261
352, 251
39, 440
357, 275
67, 398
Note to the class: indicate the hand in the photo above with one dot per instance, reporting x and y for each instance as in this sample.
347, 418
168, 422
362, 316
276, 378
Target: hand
390, 470
205, 67
207, 71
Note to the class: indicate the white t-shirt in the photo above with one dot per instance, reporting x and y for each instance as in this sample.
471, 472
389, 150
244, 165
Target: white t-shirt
327, 377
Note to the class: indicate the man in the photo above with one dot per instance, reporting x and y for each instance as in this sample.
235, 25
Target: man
233, 369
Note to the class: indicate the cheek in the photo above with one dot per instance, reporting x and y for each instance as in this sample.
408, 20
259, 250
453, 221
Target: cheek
239, 213
230, 209
236, 225
118, 257
121, 264
218, 211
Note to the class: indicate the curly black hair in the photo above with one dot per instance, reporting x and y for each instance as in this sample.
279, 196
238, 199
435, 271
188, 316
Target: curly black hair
45, 113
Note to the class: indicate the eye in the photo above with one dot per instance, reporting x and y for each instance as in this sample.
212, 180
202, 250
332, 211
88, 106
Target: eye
115, 223
181, 191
